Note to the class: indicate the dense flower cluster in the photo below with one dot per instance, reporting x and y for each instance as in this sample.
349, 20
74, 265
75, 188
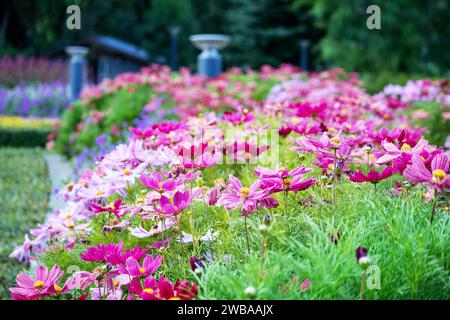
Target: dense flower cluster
35, 100
145, 187
20, 70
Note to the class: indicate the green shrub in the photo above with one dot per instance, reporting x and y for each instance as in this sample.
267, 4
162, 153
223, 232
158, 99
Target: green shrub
24, 137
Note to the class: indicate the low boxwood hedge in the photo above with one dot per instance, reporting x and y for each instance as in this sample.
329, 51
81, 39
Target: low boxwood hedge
24, 137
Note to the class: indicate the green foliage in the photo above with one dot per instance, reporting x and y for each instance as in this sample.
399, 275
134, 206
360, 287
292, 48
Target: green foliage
413, 35
24, 191
438, 127
122, 106
267, 32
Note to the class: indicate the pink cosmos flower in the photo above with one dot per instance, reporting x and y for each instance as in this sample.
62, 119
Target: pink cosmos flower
239, 117
181, 200
115, 208
437, 176
392, 152
132, 267
372, 176
99, 253
29, 288
199, 155
237, 195
116, 258
145, 291
279, 180
156, 182
158, 228
162, 289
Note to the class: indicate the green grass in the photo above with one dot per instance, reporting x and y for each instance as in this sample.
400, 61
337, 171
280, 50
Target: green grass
24, 192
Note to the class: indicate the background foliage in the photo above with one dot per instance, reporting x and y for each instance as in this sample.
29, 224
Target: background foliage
413, 38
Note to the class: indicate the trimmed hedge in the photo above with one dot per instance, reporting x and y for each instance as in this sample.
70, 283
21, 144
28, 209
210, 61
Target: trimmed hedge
24, 137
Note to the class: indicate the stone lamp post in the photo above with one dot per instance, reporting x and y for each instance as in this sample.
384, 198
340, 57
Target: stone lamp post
77, 69
209, 62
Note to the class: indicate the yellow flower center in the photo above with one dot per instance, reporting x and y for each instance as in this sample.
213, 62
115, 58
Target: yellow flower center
116, 283
405, 147
331, 130
439, 175
70, 225
386, 116
281, 169
148, 290
57, 288
174, 298
160, 185
99, 192
142, 270
286, 182
127, 172
244, 191
68, 216
39, 285
331, 166
335, 140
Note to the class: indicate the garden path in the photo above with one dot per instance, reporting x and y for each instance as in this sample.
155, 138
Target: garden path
60, 172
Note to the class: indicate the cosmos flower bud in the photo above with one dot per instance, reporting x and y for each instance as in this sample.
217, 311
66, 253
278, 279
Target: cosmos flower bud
263, 228
368, 148
250, 292
364, 262
266, 219
196, 264
362, 257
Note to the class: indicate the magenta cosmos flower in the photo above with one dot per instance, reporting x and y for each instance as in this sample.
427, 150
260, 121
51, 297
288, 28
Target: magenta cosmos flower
41, 285
163, 289
281, 179
437, 177
372, 176
99, 253
132, 267
199, 156
181, 200
156, 182
115, 208
237, 195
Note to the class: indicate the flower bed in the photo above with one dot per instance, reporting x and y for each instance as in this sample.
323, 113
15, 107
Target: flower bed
34, 100
319, 191
154, 94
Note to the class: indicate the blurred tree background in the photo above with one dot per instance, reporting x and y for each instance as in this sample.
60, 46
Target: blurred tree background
413, 39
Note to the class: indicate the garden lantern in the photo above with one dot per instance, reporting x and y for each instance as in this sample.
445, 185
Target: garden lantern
304, 46
209, 62
77, 69
173, 47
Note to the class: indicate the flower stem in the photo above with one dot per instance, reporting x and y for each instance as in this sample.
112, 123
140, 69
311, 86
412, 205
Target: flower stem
433, 210
262, 254
191, 219
368, 161
361, 292
246, 234
335, 180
